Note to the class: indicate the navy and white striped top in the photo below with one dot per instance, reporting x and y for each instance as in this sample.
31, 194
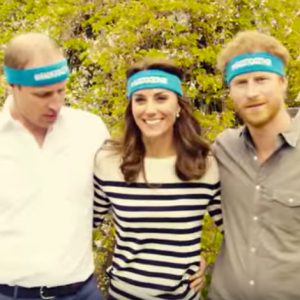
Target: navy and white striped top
158, 229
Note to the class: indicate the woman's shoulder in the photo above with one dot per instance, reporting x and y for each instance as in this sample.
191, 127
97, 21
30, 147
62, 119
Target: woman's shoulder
212, 170
107, 158
106, 155
212, 162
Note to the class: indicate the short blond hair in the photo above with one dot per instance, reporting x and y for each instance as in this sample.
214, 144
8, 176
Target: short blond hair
248, 42
23, 48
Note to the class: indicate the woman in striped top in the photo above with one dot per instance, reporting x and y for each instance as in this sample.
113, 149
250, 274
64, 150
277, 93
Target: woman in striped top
159, 179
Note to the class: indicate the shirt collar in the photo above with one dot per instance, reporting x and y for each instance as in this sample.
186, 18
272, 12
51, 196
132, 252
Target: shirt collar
6, 118
290, 136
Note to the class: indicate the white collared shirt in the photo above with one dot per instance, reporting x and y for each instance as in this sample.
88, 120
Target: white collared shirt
46, 200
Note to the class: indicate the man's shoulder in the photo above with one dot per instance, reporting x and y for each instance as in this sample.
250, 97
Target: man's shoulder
83, 119
86, 125
228, 145
229, 136
77, 114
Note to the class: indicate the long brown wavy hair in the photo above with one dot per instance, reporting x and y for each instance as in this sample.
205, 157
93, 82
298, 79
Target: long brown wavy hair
191, 148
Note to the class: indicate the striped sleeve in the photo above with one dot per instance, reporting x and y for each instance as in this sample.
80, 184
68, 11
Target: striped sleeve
101, 203
214, 207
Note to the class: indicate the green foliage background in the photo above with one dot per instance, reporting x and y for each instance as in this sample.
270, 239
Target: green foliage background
103, 37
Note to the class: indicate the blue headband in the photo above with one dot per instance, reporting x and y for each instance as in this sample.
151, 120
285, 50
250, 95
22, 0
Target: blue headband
42, 76
251, 62
153, 79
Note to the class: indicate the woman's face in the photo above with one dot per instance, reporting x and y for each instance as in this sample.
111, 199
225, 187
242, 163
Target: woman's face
155, 112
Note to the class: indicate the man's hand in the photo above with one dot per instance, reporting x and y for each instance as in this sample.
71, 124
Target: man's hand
198, 279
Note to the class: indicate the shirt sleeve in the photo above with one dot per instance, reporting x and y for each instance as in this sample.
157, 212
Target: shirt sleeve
101, 203
214, 207
102, 131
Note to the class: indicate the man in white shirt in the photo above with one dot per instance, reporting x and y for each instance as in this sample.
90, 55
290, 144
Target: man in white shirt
46, 168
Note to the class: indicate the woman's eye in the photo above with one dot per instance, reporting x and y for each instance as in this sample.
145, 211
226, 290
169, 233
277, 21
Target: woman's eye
139, 99
162, 98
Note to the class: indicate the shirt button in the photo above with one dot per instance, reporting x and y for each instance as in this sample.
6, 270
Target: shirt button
291, 200
253, 249
257, 187
255, 218
255, 157
251, 282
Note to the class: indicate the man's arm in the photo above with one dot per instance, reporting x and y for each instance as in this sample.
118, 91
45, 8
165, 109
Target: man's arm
102, 132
